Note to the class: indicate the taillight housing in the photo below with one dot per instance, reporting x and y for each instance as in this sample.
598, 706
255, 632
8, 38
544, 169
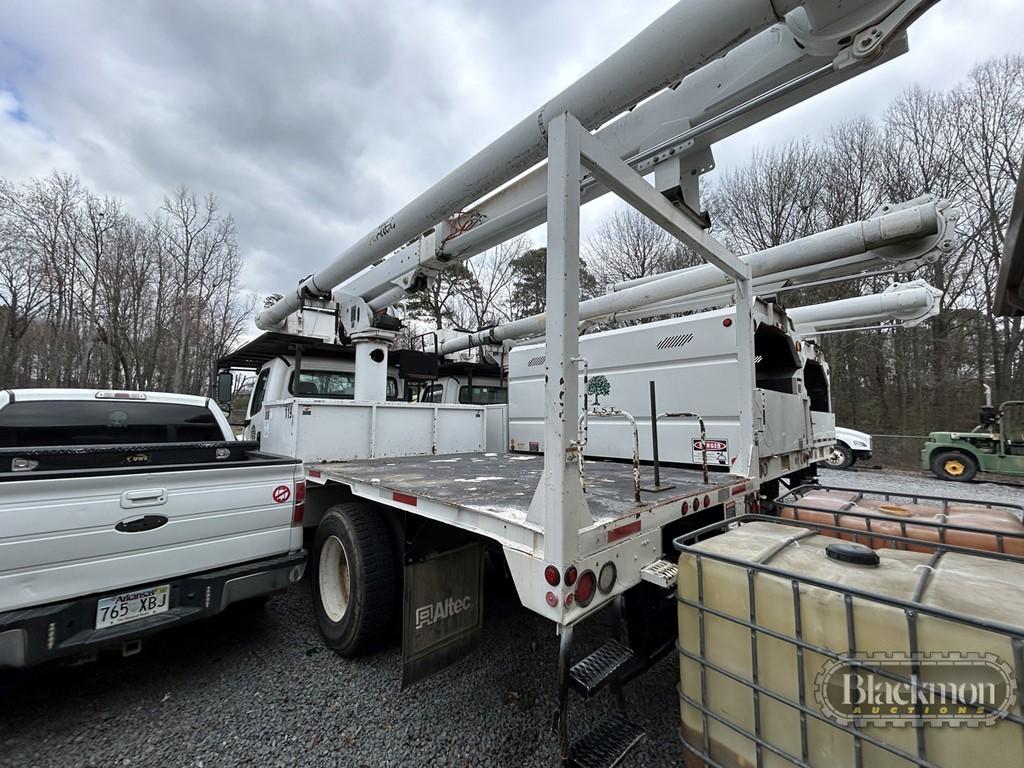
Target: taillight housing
585, 588
570, 575
299, 508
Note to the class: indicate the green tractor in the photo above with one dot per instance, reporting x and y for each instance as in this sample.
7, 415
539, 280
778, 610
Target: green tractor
995, 445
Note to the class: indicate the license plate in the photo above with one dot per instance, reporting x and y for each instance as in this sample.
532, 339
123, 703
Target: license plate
130, 606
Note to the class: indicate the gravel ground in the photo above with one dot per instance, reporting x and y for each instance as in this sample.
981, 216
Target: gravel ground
918, 482
258, 688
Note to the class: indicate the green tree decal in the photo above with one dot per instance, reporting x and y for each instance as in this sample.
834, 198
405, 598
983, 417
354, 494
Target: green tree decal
597, 386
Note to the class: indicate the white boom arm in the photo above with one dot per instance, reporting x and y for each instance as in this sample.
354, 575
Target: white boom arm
908, 234
908, 304
813, 49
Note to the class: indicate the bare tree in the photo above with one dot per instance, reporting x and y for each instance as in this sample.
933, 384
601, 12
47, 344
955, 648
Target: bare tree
627, 245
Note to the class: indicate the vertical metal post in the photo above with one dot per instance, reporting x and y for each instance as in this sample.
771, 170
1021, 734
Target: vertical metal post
747, 459
654, 436
559, 502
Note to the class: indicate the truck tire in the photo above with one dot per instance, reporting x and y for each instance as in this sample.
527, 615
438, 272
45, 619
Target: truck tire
354, 579
840, 458
954, 465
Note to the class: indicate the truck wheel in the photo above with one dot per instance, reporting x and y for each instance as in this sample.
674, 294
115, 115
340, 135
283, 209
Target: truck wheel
840, 458
354, 579
954, 465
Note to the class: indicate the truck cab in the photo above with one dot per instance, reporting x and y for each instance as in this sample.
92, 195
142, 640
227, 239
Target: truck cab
325, 371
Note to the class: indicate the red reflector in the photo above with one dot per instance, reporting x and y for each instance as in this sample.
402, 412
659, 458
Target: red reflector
314, 473
404, 498
568, 600
686, 507
299, 509
707, 501
552, 600
552, 576
623, 531
739, 489
585, 589
727, 322
570, 575
122, 396
696, 504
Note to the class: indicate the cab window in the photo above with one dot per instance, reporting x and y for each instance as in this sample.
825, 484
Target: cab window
259, 391
432, 394
333, 384
476, 395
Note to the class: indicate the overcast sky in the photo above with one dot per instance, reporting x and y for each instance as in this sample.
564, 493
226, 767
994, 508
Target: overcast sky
313, 121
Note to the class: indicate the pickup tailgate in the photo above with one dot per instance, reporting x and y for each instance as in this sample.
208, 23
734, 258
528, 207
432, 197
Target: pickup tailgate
87, 532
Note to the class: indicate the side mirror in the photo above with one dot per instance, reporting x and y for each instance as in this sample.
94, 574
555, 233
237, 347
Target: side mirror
225, 385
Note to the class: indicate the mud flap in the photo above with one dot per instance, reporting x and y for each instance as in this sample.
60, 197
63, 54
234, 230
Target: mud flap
442, 611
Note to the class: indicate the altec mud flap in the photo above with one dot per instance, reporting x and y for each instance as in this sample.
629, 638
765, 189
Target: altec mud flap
442, 611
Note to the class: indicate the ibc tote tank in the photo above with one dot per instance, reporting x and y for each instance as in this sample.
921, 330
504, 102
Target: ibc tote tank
764, 604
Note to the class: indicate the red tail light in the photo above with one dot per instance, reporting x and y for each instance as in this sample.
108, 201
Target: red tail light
707, 501
585, 589
552, 576
299, 509
570, 575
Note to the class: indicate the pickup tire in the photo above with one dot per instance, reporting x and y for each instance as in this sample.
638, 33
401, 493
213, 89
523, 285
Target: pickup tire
354, 579
954, 465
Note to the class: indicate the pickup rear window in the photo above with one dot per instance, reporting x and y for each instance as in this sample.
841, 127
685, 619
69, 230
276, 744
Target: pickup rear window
37, 423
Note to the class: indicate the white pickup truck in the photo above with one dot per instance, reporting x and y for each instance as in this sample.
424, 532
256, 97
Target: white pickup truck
122, 513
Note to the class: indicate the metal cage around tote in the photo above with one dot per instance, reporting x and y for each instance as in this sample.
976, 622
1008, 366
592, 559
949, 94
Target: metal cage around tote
861, 734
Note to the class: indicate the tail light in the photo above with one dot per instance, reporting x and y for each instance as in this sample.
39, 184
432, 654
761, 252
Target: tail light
570, 575
585, 589
551, 598
552, 576
707, 501
299, 509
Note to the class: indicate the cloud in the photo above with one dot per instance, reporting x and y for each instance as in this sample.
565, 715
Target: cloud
313, 121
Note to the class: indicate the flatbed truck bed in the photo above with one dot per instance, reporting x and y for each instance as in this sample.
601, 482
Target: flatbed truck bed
491, 493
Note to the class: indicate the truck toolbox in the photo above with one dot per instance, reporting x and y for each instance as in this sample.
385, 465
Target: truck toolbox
992, 527
784, 635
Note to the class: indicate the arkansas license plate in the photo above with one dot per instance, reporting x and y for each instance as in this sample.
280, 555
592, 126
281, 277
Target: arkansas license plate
130, 606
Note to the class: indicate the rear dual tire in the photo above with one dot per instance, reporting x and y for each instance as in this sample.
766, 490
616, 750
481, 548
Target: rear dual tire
354, 579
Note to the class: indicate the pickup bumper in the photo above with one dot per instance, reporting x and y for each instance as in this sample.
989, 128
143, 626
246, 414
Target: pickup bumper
33, 635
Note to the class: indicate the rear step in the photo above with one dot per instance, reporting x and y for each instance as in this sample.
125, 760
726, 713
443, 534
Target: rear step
606, 744
662, 573
594, 672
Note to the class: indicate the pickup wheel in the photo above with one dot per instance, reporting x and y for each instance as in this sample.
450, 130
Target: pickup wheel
354, 580
840, 458
954, 465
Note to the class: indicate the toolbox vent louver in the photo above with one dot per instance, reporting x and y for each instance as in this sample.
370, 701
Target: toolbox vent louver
671, 342
535, 361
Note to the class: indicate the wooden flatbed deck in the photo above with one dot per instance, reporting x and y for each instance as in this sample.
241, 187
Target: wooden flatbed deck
502, 485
